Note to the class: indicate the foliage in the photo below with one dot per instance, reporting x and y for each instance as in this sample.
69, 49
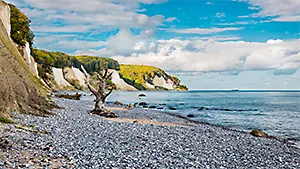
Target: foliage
6, 120
138, 75
46, 60
20, 27
182, 88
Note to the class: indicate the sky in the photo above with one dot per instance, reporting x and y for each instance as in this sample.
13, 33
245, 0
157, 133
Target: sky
208, 44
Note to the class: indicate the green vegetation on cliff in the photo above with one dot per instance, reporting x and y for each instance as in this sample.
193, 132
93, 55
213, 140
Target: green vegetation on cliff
46, 60
138, 75
20, 27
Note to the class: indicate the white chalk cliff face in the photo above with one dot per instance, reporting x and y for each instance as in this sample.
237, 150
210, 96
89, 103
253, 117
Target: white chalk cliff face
5, 16
72, 75
59, 78
160, 81
120, 83
30, 60
79, 76
150, 86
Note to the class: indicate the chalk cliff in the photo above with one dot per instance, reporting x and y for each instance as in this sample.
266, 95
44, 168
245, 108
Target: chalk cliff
5, 16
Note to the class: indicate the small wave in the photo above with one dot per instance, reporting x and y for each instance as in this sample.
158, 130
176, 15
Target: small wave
225, 109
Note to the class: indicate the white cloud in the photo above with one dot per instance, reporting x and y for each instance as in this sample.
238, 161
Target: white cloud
218, 38
81, 44
171, 19
209, 3
220, 15
237, 23
201, 30
62, 29
116, 13
210, 55
123, 42
282, 10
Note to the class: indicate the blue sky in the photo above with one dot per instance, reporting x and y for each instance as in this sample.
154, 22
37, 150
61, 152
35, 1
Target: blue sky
208, 44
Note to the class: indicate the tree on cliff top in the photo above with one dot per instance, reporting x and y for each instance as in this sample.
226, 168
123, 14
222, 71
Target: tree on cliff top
20, 27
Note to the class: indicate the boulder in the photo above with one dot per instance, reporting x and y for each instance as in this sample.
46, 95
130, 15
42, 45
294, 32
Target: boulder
143, 104
190, 115
152, 107
258, 133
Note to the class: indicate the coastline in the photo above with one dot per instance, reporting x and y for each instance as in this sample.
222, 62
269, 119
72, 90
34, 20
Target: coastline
89, 140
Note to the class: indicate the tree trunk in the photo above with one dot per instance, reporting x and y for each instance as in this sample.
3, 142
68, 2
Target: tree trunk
99, 105
100, 95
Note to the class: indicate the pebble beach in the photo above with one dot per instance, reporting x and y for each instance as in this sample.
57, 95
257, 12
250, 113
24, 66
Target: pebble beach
138, 138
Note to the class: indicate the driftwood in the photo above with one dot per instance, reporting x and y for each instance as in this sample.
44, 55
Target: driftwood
100, 94
68, 96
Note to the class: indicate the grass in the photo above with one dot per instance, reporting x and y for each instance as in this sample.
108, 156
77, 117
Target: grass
6, 120
31, 130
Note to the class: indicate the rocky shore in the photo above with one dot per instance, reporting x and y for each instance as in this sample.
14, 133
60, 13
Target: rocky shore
139, 138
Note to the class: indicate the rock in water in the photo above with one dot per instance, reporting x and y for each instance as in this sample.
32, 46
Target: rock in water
152, 107
172, 108
118, 103
258, 133
143, 104
190, 115
142, 95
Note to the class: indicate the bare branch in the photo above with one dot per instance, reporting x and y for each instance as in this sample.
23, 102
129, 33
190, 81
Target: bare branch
110, 75
105, 73
87, 81
87, 76
99, 76
107, 94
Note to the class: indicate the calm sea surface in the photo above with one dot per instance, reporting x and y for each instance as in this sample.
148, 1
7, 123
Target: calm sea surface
275, 112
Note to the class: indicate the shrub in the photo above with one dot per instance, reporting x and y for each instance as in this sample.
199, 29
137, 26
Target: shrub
20, 27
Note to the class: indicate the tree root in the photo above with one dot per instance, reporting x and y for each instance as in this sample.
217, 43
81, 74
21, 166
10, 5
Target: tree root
105, 113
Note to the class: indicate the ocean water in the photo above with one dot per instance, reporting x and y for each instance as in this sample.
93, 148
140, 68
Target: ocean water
275, 112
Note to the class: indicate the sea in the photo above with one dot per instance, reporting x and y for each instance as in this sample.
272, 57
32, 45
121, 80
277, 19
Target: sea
276, 112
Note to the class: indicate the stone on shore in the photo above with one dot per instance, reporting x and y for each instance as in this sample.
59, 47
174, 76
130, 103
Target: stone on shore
258, 133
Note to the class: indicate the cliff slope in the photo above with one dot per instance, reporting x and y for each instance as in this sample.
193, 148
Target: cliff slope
20, 90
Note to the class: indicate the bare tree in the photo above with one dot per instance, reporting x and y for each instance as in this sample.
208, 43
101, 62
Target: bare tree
100, 94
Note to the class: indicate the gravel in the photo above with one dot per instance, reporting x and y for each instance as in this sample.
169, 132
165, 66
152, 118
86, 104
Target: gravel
90, 141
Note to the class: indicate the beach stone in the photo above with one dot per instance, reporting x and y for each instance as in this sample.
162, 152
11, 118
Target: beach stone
258, 133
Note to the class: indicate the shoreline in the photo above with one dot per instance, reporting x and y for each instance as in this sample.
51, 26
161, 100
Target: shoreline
89, 140
198, 122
